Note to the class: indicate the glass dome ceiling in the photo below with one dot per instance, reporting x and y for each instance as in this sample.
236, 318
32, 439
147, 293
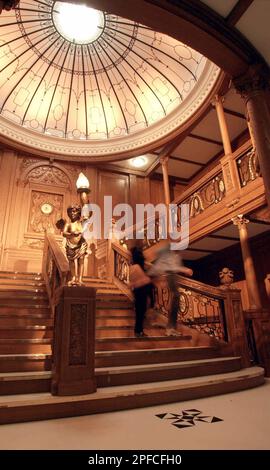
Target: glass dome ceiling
73, 74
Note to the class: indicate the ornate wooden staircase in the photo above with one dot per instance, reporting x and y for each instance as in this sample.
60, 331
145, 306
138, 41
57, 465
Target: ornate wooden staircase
130, 372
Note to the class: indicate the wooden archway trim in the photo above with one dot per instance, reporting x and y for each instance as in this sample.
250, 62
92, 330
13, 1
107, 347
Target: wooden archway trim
192, 23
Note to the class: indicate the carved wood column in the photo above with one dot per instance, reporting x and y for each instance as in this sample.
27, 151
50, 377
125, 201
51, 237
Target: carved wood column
218, 103
164, 164
251, 280
229, 169
73, 369
166, 184
254, 89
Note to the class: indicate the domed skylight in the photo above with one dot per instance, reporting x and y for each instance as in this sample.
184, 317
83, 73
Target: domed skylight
72, 74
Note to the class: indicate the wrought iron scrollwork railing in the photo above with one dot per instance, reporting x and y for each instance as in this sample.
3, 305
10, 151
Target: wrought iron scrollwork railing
121, 267
198, 308
55, 269
247, 165
253, 354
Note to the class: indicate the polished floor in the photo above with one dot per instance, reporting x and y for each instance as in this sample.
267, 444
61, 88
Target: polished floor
232, 421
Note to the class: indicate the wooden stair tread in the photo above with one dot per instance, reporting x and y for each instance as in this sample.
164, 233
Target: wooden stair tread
25, 340
129, 352
24, 306
11, 376
143, 339
27, 327
24, 357
118, 393
145, 367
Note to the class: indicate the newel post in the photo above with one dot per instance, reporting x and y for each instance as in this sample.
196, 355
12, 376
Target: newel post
73, 369
236, 329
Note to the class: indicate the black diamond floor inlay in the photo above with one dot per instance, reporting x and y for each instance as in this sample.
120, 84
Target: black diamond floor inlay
188, 418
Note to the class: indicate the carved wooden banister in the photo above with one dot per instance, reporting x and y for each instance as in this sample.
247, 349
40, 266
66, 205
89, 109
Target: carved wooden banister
73, 349
121, 259
210, 310
55, 269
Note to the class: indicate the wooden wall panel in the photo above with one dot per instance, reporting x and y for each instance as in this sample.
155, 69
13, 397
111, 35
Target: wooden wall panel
115, 185
178, 189
156, 192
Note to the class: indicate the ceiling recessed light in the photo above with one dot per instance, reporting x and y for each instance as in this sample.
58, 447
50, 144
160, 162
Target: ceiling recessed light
139, 162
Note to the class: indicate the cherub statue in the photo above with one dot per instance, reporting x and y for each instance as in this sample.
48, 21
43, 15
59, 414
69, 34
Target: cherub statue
226, 278
76, 246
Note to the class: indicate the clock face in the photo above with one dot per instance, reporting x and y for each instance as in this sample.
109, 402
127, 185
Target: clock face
46, 208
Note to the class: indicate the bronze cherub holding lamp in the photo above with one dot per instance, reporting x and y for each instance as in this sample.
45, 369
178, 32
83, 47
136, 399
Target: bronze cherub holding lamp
76, 245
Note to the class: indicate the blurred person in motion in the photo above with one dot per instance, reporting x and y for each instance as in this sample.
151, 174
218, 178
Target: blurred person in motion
169, 263
141, 285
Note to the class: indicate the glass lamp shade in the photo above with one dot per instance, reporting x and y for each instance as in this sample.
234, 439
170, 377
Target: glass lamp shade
82, 183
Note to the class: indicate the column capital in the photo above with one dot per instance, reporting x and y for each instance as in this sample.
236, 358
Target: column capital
240, 220
257, 78
218, 99
164, 159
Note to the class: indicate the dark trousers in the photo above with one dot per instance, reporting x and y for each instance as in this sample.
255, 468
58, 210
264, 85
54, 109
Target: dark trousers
140, 297
150, 294
172, 316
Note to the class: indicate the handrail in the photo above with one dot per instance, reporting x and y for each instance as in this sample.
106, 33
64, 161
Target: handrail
215, 311
55, 269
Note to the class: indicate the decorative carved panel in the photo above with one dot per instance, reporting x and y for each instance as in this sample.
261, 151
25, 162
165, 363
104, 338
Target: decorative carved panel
248, 168
47, 174
26, 162
78, 335
210, 193
228, 177
45, 210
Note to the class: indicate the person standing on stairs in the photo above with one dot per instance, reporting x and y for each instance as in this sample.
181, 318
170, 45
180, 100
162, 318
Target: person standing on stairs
141, 285
170, 264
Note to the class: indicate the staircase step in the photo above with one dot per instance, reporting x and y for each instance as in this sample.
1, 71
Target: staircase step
24, 362
14, 289
115, 321
26, 299
24, 309
107, 358
126, 375
20, 275
103, 344
108, 292
26, 332
18, 320
15, 383
112, 304
152, 356
114, 312
18, 283
24, 294
31, 407
88, 279
126, 331
25, 346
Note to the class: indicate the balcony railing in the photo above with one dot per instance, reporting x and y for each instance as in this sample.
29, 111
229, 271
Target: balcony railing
247, 165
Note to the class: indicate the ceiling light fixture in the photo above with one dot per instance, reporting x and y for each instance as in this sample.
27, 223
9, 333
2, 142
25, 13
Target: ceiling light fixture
139, 162
78, 23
